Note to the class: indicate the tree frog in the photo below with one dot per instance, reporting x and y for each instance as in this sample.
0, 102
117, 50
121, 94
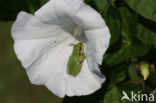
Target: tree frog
76, 60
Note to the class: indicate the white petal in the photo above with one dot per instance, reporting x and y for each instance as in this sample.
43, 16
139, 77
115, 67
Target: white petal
51, 70
97, 44
47, 13
87, 18
28, 26
97, 35
33, 38
66, 9
59, 10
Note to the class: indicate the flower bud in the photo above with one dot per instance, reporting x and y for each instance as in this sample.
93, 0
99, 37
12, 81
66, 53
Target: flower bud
143, 69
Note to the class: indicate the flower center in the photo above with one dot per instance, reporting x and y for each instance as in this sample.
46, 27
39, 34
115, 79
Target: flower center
78, 31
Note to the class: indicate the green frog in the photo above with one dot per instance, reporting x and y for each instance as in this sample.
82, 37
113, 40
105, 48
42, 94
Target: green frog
76, 60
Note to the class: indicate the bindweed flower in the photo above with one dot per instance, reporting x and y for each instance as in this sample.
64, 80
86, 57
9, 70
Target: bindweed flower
44, 43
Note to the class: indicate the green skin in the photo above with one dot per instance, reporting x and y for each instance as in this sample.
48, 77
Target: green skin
76, 60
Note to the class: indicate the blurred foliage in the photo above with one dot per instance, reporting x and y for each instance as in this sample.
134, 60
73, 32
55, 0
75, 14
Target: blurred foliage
10, 8
132, 25
146, 8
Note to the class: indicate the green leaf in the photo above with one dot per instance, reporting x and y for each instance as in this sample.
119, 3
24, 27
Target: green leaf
146, 35
130, 86
129, 22
118, 75
132, 71
112, 2
112, 96
146, 8
130, 46
126, 51
10, 8
101, 4
113, 20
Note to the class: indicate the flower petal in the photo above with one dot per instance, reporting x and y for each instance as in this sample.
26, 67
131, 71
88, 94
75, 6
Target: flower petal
47, 13
33, 38
51, 70
89, 19
43, 45
97, 35
28, 26
97, 44
58, 10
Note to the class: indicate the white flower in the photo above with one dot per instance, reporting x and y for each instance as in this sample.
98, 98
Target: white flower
43, 43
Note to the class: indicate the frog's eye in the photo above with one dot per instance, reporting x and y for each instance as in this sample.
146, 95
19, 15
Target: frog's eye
81, 62
80, 48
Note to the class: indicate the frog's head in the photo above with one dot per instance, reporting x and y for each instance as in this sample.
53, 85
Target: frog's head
80, 48
81, 51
